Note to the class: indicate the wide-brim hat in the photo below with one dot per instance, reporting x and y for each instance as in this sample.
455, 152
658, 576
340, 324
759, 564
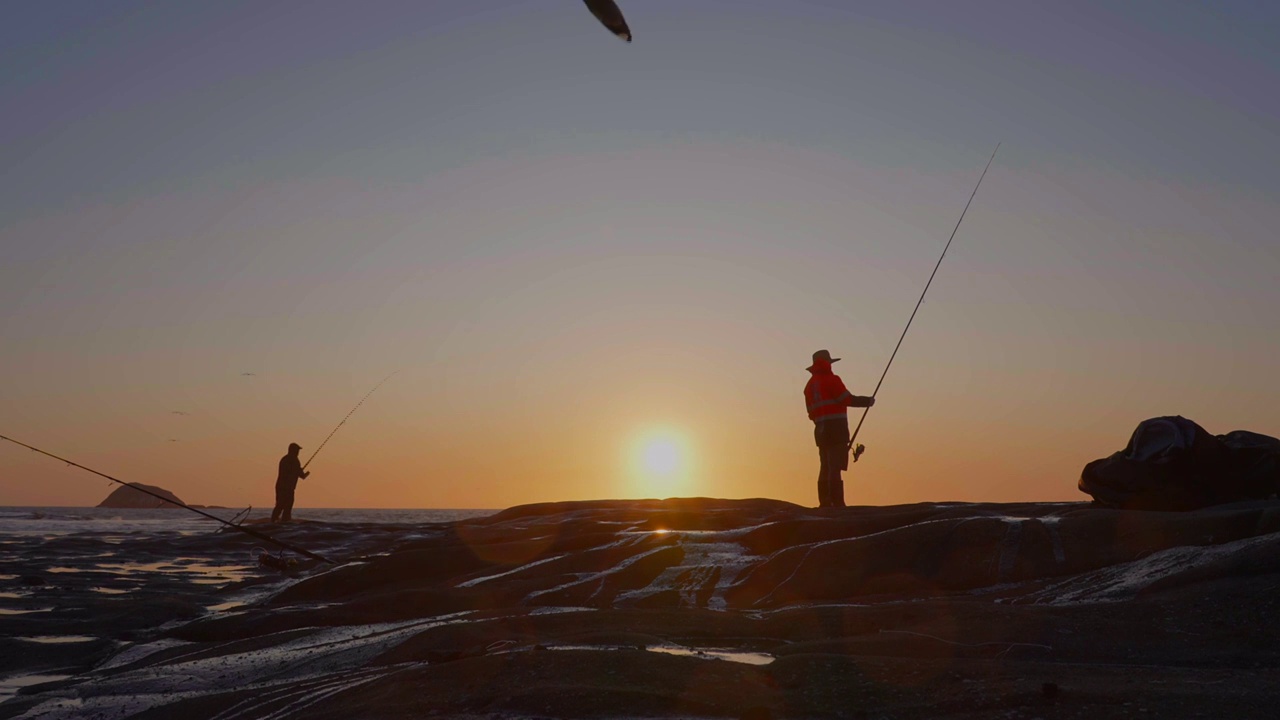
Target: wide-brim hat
822, 355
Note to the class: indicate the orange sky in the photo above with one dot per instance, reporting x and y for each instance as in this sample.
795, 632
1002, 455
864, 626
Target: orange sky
1014, 375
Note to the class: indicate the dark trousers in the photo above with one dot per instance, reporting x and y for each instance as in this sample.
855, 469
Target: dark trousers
284, 503
832, 438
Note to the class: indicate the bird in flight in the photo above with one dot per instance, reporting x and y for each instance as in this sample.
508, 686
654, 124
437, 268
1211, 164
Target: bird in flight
179, 412
248, 374
607, 12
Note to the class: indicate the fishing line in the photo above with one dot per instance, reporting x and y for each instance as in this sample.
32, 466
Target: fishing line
858, 452
140, 489
344, 420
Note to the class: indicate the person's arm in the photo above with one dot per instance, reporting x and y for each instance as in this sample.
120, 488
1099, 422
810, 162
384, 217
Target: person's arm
851, 400
862, 401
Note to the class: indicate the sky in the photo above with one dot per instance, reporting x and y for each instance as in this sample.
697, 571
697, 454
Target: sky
599, 269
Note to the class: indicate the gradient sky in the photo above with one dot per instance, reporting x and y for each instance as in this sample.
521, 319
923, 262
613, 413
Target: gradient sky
568, 245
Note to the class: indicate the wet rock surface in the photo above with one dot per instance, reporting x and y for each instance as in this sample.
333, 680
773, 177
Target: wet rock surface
677, 608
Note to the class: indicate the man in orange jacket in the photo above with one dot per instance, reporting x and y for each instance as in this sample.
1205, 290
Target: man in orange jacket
826, 398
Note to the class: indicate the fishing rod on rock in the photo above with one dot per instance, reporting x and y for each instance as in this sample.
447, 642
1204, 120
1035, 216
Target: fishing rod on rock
234, 526
859, 449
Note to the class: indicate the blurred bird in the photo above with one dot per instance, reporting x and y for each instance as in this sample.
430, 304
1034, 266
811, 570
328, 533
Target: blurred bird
607, 12
179, 412
248, 374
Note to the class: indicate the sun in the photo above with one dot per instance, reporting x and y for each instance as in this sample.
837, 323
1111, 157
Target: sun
659, 463
661, 457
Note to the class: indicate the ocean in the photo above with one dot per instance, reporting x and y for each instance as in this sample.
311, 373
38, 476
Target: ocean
61, 521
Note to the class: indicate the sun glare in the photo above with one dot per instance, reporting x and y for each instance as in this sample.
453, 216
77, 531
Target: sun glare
660, 464
661, 457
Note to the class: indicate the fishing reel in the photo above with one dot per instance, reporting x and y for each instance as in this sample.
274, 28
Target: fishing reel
858, 450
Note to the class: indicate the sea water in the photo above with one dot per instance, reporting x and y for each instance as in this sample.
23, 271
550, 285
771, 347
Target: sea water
58, 521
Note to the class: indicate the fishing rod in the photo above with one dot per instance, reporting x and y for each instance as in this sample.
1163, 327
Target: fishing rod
344, 419
857, 452
234, 526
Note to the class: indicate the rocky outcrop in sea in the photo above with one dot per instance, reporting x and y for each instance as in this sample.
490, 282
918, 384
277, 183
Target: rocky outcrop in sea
130, 497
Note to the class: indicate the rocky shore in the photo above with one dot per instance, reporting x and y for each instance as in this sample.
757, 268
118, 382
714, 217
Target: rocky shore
691, 608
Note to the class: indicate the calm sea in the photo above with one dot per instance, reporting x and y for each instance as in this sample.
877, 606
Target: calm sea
49, 521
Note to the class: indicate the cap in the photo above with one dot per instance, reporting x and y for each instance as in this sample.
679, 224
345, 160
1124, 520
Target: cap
295, 446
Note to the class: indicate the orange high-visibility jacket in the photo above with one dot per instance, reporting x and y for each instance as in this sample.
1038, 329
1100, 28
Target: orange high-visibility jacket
825, 395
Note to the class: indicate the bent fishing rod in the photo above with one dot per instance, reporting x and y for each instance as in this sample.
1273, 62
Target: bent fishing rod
345, 418
234, 526
857, 453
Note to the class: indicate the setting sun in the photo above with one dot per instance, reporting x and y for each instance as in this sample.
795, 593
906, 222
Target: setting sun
661, 457
660, 464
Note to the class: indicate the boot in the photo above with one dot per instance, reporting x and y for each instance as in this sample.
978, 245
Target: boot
837, 493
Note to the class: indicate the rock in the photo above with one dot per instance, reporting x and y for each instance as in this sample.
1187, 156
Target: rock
126, 497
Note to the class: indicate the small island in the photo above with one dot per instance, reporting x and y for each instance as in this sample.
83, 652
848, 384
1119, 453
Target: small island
131, 496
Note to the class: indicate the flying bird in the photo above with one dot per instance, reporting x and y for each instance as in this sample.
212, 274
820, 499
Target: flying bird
607, 12
248, 374
179, 412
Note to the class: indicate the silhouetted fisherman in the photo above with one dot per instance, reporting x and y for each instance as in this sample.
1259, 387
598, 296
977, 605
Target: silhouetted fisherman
826, 398
287, 481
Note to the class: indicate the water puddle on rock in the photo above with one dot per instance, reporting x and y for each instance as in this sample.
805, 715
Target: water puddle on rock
7, 611
10, 596
110, 591
10, 686
197, 571
57, 639
225, 606
737, 656
728, 655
